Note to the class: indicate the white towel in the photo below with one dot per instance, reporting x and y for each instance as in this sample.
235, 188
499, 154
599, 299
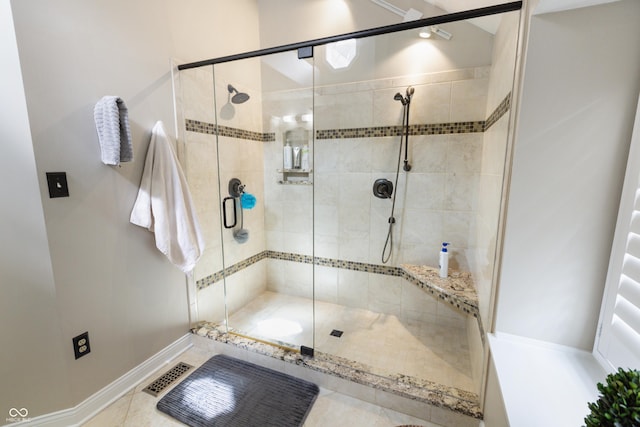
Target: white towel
114, 134
164, 204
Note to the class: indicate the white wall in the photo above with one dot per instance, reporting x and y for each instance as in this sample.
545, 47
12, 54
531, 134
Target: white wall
99, 273
575, 121
109, 279
311, 19
32, 357
378, 58
201, 30
495, 414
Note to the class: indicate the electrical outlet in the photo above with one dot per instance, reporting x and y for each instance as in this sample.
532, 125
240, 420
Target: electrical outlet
81, 345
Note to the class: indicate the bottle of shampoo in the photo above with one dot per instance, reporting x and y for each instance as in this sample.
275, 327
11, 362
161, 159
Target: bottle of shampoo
444, 260
287, 162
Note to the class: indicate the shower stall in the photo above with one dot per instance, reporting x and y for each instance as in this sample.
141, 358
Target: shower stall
303, 132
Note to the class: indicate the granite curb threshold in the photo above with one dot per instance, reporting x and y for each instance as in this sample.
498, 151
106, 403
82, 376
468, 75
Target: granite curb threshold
428, 392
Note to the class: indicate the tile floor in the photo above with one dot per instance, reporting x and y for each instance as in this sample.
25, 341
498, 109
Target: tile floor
138, 409
435, 351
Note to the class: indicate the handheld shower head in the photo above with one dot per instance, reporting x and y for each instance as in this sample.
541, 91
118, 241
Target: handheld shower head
239, 97
410, 91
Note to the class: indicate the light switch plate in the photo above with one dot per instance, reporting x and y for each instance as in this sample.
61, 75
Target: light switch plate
57, 182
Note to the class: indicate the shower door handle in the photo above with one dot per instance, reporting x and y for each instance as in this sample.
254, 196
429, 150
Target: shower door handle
224, 212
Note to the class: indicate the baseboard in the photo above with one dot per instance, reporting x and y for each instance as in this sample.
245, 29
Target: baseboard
97, 402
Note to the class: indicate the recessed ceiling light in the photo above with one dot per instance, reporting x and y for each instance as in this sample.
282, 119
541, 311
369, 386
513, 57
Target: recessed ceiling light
424, 33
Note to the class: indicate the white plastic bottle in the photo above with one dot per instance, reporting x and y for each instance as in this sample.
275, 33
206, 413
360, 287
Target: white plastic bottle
287, 162
305, 158
444, 260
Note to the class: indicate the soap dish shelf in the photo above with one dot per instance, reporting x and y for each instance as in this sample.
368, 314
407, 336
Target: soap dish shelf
283, 182
301, 171
295, 176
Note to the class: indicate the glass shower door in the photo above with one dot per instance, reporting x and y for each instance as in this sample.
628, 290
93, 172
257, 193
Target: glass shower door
198, 149
264, 119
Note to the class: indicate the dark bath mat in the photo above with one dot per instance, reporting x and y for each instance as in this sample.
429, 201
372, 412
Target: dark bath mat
229, 392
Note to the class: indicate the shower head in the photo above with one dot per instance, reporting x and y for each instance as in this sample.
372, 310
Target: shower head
239, 97
405, 99
398, 97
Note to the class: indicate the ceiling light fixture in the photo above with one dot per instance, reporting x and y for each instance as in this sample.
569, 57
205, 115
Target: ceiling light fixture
442, 33
407, 15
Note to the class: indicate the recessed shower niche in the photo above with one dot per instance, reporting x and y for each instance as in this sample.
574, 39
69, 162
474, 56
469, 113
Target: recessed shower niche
296, 157
312, 263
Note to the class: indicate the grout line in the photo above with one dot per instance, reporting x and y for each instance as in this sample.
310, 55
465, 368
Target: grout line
132, 394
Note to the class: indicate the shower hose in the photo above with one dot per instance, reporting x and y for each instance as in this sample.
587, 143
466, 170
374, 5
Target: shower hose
388, 244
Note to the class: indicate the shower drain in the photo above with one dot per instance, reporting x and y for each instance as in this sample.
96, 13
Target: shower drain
336, 333
168, 378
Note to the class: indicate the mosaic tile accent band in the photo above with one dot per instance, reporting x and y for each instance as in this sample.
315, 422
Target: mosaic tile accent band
305, 259
212, 129
219, 275
382, 131
500, 111
336, 263
457, 290
368, 132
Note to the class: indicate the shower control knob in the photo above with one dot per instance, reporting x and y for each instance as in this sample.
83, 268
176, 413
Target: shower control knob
382, 188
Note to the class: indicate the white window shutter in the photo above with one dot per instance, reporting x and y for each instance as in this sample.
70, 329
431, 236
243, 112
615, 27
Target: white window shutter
618, 342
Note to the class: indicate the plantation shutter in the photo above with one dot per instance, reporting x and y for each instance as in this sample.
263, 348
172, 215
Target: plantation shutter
618, 341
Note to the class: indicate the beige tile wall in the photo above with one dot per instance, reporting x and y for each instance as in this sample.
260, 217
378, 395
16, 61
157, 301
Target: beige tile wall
238, 158
451, 194
437, 201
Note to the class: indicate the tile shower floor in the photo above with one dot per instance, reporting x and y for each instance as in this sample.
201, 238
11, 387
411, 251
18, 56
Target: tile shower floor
432, 351
137, 408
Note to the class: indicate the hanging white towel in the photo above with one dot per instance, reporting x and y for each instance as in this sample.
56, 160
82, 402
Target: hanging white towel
164, 204
114, 134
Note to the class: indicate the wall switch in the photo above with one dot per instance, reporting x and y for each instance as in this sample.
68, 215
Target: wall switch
81, 345
57, 182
